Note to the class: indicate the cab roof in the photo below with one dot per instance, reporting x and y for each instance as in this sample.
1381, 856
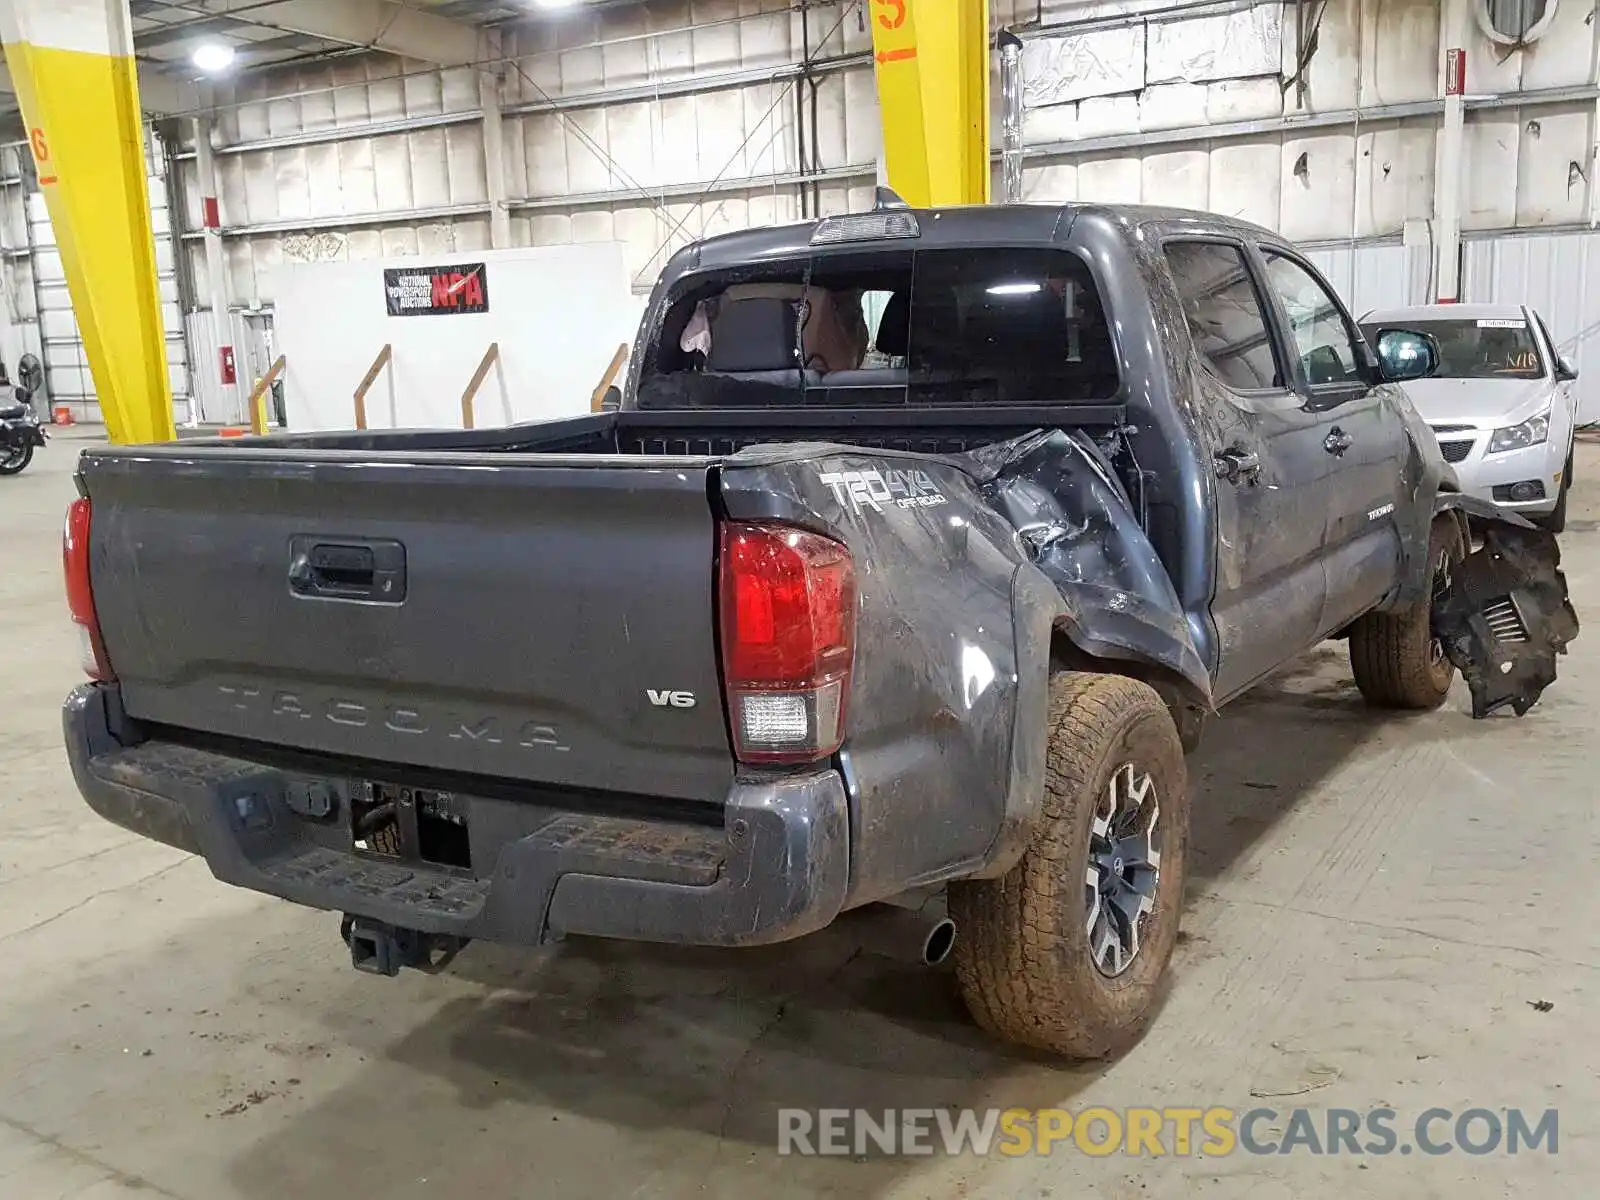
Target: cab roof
957, 227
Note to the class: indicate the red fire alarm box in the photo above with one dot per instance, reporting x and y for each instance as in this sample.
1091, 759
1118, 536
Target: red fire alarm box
229, 373
1455, 72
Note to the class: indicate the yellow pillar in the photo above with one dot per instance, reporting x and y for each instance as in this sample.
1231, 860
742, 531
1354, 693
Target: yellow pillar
71, 63
933, 98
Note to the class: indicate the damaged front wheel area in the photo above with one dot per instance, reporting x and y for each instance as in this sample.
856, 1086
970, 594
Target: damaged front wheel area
1505, 615
1396, 659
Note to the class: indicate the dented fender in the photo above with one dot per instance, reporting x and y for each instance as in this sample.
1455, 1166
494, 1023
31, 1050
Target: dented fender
967, 566
1080, 530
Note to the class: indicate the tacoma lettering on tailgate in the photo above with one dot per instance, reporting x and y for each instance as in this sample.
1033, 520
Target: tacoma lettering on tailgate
396, 718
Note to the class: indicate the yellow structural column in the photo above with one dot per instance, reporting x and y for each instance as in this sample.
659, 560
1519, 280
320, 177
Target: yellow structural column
71, 63
933, 98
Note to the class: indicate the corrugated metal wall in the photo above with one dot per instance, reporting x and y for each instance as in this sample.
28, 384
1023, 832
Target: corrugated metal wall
1351, 155
219, 403
283, 185
1555, 274
684, 122
1384, 275
656, 124
698, 162
19, 315
37, 294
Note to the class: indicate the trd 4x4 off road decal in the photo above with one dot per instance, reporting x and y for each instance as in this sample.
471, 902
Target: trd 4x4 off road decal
876, 489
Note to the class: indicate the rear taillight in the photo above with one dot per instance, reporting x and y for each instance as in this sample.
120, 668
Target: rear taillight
788, 640
80, 596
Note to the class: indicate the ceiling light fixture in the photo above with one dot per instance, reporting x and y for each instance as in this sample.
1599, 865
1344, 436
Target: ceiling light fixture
1015, 289
555, 3
213, 57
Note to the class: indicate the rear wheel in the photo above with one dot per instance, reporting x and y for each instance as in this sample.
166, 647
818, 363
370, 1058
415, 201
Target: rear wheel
1065, 953
1397, 661
16, 459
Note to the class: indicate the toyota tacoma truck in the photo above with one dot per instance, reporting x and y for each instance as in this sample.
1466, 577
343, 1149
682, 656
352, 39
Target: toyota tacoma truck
919, 548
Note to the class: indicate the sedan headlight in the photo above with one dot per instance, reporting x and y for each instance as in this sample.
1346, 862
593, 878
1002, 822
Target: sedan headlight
1518, 437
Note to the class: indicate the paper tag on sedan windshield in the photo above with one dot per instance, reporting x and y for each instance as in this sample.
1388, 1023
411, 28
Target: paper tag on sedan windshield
1501, 323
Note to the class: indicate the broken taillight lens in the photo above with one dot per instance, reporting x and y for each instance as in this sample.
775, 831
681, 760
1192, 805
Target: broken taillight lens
788, 609
80, 595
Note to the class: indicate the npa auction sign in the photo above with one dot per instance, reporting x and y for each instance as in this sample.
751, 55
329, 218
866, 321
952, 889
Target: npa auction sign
434, 291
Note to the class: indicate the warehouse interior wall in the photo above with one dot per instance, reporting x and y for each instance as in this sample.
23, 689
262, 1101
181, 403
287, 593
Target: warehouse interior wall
1351, 158
648, 126
555, 315
652, 125
37, 300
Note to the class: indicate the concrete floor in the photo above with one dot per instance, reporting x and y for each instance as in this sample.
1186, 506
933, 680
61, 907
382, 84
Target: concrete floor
1375, 904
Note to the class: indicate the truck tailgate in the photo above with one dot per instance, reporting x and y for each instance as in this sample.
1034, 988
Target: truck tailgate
542, 620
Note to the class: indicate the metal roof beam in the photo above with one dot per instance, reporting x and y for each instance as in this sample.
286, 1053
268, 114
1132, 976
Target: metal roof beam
159, 93
378, 25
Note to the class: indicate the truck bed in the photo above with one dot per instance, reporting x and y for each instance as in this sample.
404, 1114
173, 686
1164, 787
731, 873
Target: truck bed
501, 602
717, 434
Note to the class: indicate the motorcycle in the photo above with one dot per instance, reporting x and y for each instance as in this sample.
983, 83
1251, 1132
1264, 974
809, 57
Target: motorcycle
20, 433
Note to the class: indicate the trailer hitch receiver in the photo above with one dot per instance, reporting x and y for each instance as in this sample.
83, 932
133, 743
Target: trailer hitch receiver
381, 949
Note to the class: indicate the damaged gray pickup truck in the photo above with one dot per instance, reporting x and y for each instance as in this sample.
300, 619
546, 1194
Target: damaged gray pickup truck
917, 552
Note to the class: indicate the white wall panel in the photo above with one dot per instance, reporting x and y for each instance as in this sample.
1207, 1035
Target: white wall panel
1558, 275
569, 173
1333, 73
217, 402
1111, 179
1375, 276
575, 297
1318, 190
348, 91
1180, 178
1044, 183
1489, 169
56, 335
1394, 176
252, 259
1562, 57
1554, 158
1528, 167
1400, 51
1232, 43
1099, 62
1363, 180
1171, 105
1243, 100
1246, 179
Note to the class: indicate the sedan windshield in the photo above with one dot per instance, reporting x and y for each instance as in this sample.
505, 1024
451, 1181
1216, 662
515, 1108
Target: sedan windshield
1486, 348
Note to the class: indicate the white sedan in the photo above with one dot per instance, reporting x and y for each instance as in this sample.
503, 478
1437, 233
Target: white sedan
1502, 402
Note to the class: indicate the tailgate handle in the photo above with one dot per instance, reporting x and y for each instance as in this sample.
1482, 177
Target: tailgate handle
364, 569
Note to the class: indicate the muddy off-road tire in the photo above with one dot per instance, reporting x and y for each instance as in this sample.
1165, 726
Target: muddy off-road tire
1031, 943
1396, 660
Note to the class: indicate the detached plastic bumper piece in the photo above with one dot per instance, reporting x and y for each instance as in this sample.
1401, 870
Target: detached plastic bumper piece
1504, 617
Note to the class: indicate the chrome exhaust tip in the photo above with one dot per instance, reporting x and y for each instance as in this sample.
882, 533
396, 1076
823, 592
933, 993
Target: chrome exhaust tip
940, 941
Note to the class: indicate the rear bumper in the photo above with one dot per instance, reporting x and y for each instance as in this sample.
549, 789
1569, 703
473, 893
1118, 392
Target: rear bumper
776, 869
